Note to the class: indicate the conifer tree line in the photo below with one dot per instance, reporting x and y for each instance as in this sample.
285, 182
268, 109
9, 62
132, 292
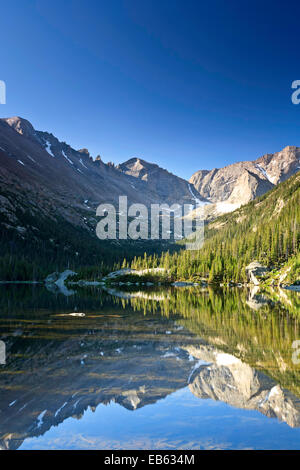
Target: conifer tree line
46, 247
267, 230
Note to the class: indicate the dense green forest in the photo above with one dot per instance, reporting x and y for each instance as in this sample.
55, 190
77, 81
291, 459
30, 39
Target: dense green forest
42, 245
266, 230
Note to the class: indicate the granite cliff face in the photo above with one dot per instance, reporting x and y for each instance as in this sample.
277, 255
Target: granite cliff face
234, 185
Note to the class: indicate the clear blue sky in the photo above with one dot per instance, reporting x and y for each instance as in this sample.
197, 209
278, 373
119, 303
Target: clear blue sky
186, 84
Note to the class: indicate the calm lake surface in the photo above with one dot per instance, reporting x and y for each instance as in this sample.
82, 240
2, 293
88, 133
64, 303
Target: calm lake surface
178, 368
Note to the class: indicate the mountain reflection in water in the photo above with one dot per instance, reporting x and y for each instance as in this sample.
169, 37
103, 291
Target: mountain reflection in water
137, 347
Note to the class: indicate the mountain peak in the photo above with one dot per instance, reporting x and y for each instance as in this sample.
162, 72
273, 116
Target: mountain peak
137, 167
290, 148
138, 161
84, 151
20, 125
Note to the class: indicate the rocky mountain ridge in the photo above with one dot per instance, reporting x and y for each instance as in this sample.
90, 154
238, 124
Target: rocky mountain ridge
234, 185
143, 182
103, 182
49, 194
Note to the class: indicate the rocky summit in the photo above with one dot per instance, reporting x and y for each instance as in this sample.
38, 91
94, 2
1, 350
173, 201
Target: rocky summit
232, 186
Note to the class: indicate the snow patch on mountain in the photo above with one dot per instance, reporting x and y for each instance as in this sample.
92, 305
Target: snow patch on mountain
265, 174
48, 148
40, 418
67, 158
80, 161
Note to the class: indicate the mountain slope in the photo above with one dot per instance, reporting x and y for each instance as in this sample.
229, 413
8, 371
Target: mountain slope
61, 169
266, 229
236, 184
49, 194
168, 187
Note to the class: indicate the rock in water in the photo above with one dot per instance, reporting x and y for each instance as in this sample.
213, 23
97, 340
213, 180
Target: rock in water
256, 272
51, 278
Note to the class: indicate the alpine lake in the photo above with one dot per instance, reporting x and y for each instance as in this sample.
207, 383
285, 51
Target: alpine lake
152, 368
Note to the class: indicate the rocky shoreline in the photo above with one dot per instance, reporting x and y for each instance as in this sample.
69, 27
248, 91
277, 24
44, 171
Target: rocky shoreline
257, 275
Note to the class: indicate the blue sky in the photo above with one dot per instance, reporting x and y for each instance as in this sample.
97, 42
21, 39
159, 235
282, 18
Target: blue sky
186, 84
